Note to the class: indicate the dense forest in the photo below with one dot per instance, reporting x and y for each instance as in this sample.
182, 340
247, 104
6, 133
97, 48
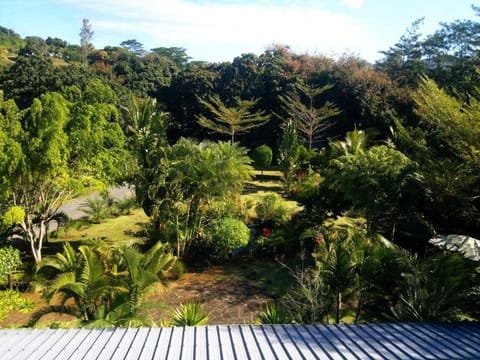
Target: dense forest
381, 159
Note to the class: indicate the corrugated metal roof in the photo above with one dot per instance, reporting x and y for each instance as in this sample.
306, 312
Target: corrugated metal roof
232, 342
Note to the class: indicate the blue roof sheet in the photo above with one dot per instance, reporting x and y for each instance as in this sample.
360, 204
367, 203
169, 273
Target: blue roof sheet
229, 342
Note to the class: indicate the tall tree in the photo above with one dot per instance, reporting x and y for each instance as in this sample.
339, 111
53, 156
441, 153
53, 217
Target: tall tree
232, 120
176, 54
86, 37
60, 148
311, 121
134, 46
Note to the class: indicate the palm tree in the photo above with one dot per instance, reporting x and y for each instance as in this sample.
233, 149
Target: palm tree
103, 285
434, 289
355, 143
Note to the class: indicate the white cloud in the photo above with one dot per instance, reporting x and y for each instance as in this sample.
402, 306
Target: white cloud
216, 31
353, 3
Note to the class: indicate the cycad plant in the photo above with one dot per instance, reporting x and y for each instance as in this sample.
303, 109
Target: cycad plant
189, 314
101, 284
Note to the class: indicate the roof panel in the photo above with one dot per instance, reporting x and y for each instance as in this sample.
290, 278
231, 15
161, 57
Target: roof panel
390, 341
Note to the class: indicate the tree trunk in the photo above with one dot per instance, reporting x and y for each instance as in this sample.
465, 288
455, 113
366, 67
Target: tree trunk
338, 306
359, 308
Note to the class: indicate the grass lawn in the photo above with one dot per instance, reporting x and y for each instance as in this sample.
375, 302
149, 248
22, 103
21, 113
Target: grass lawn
122, 228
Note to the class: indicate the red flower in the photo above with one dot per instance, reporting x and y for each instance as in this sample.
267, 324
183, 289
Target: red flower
266, 231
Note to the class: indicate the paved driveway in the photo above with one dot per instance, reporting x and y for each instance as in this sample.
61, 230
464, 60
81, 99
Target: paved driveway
73, 207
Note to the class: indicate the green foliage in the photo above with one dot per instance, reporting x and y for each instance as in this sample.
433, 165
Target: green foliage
11, 300
311, 121
225, 236
272, 210
9, 39
288, 153
274, 314
9, 262
435, 289
186, 181
350, 263
98, 209
189, 314
377, 182
262, 156
103, 284
11, 217
231, 120
306, 186
176, 54
280, 241
125, 205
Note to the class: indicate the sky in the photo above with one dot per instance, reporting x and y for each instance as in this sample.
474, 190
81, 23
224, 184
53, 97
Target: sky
220, 30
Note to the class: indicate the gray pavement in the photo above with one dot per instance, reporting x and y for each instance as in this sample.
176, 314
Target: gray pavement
73, 207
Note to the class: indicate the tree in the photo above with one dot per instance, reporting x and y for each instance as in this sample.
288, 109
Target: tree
28, 78
133, 46
48, 163
403, 62
145, 126
288, 153
262, 156
185, 181
176, 54
311, 121
379, 182
346, 263
86, 36
444, 144
231, 120
434, 289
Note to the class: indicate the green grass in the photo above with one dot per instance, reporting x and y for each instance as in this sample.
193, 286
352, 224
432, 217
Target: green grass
122, 228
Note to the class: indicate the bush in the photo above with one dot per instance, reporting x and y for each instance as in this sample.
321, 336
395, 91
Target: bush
225, 236
98, 209
178, 270
305, 188
11, 300
126, 205
9, 262
190, 314
280, 241
271, 209
262, 157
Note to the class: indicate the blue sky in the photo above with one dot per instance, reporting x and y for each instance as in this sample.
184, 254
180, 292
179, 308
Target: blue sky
219, 30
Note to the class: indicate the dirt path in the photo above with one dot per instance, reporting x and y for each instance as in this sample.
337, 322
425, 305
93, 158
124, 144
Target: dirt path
228, 299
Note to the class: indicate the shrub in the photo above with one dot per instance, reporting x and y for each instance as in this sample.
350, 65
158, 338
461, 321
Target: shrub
178, 270
305, 188
126, 205
274, 314
226, 235
11, 300
98, 209
271, 209
262, 157
9, 262
189, 314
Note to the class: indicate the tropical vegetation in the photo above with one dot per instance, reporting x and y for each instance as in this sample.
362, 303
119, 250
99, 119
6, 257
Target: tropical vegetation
377, 160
